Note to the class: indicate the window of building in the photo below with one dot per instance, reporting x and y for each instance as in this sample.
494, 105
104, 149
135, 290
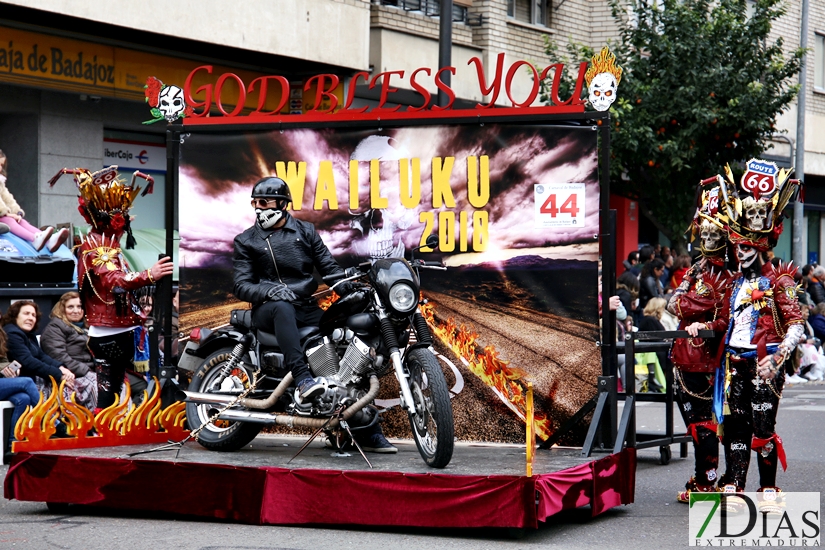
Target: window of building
819, 62
535, 12
432, 8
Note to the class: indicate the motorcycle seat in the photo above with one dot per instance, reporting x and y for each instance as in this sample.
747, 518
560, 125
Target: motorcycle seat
270, 340
241, 318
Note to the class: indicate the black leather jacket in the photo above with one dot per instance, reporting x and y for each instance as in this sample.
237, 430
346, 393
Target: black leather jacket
264, 257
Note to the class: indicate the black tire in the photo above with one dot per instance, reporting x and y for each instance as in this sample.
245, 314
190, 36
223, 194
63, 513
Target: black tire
220, 435
432, 425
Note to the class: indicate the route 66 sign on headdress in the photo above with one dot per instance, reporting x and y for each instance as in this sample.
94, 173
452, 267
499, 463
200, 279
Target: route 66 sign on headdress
166, 101
755, 206
104, 199
603, 77
709, 223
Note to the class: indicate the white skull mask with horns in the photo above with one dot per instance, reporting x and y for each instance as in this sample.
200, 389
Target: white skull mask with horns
756, 213
711, 235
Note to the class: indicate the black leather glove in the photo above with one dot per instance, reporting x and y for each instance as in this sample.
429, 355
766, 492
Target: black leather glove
345, 288
280, 291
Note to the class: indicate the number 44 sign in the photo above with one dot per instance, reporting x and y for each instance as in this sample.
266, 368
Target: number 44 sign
559, 204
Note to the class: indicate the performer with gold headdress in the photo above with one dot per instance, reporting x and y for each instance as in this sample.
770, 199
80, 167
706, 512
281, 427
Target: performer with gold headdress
698, 300
104, 278
764, 325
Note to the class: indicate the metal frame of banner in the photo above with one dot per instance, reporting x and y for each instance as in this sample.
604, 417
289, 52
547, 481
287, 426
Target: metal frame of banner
597, 120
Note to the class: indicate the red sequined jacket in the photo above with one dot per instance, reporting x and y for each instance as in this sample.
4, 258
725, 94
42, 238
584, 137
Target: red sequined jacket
699, 300
106, 283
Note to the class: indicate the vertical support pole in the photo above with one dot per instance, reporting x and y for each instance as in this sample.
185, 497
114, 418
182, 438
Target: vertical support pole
445, 46
630, 387
166, 284
607, 229
531, 430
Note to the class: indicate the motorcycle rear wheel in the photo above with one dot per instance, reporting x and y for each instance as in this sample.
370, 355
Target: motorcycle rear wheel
220, 435
432, 423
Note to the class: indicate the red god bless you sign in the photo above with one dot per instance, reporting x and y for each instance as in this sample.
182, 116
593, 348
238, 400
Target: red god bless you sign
514, 201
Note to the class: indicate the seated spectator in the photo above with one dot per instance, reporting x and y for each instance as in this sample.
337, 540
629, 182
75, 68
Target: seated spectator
632, 259
815, 289
21, 391
627, 289
649, 285
649, 374
65, 339
20, 324
12, 216
817, 321
681, 265
808, 363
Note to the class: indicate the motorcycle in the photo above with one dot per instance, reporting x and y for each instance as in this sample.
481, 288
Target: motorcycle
242, 384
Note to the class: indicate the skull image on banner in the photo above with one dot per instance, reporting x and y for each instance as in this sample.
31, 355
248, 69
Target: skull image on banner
603, 77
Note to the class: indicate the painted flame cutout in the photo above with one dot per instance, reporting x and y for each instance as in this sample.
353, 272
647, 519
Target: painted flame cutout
119, 424
508, 382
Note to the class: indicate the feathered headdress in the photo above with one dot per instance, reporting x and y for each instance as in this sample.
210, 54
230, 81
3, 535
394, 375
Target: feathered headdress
755, 207
709, 221
105, 199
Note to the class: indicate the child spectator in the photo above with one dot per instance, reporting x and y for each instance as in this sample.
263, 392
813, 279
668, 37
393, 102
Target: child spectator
12, 215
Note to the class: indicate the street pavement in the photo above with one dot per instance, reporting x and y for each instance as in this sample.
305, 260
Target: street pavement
655, 520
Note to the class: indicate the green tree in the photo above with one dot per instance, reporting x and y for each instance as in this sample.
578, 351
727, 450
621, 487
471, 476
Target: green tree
702, 86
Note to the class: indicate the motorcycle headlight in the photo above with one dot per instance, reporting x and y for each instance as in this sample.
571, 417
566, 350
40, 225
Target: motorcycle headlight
402, 298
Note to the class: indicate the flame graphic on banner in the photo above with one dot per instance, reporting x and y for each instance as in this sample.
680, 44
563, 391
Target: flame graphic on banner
507, 382
119, 424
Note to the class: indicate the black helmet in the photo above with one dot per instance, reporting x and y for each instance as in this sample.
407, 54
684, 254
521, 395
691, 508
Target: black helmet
271, 188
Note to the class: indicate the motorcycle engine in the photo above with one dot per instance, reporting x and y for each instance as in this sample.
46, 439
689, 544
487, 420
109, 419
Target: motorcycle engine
341, 357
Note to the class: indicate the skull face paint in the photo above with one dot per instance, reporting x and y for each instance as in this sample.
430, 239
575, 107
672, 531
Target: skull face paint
746, 255
711, 235
602, 91
756, 213
171, 103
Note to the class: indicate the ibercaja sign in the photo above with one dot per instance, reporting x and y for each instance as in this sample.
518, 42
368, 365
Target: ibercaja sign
513, 195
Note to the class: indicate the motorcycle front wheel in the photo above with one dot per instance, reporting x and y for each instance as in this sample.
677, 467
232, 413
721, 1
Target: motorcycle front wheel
432, 423
219, 435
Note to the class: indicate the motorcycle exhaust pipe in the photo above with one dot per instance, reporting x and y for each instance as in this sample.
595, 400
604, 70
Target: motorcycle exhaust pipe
301, 421
217, 399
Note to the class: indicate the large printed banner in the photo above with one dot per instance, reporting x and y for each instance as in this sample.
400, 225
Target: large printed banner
515, 207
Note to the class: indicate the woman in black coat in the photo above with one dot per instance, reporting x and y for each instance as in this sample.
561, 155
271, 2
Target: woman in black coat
20, 324
649, 284
66, 339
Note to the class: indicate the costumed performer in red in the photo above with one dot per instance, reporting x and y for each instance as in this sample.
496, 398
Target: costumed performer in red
698, 300
764, 327
105, 281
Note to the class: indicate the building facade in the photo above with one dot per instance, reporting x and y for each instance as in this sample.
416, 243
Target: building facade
55, 111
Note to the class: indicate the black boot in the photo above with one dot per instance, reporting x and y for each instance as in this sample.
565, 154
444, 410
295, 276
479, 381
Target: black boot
652, 384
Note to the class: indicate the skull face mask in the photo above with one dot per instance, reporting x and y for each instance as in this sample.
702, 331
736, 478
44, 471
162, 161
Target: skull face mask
171, 103
268, 217
756, 213
602, 91
711, 236
746, 255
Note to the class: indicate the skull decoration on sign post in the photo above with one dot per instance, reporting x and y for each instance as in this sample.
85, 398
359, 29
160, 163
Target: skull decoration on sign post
170, 103
167, 102
603, 77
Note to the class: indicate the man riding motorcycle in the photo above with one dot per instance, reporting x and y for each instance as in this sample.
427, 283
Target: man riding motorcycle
273, 263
